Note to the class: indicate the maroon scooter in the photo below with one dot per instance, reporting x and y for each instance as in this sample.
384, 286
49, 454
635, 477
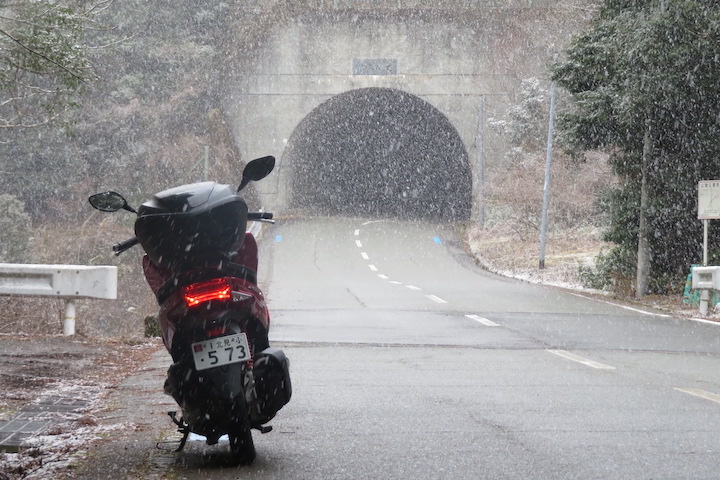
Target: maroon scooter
201, 264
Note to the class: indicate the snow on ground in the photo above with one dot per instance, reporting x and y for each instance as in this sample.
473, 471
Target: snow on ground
52, 452
506, 253
511, 253
69, 368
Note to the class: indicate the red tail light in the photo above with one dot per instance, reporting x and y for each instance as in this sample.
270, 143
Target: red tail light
215, 289
218, 331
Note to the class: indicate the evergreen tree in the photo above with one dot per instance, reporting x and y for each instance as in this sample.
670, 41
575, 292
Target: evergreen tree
645, 81
44, 62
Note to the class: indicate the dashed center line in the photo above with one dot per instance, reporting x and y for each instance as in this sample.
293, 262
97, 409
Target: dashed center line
484, 321
713, 397
372, 267
436, 299
579, 359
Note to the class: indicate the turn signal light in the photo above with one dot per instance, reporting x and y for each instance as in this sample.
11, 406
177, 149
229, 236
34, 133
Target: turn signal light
215, 289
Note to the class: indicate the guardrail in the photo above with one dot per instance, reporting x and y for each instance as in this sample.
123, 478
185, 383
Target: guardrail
705, 279
69, 282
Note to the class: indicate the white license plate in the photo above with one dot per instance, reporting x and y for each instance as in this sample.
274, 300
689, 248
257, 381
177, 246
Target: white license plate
221, 351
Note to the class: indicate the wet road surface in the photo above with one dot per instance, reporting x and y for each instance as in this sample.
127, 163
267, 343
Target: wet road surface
410, 362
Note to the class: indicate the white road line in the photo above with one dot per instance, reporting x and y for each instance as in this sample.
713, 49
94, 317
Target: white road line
357, 232
413, 287
384, 277
436, 299
365, 256
713, 397
579, 359
662, 315
373, 268
395, 282
707, 322
358, 243
484, 321
636, 310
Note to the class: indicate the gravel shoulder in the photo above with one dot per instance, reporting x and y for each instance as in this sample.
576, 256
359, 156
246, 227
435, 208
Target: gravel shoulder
36, 367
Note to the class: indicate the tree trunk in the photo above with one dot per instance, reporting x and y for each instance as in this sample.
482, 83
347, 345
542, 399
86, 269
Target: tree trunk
643, 254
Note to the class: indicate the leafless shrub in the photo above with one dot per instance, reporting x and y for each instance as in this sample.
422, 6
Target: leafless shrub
515, 194
32, 316
87, 244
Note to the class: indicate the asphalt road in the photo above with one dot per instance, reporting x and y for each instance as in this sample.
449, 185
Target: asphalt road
410, 362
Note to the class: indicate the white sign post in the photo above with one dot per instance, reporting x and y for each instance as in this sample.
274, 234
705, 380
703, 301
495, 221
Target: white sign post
708, 209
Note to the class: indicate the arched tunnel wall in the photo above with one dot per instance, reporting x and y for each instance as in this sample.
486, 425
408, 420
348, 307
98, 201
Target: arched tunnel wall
379, 152
467, 61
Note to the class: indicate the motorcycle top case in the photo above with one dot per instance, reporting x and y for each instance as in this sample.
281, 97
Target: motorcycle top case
189, 225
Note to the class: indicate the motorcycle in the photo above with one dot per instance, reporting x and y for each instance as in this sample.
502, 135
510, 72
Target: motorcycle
201, 264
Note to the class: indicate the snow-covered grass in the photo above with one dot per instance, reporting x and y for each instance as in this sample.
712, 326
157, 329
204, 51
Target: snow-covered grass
501, 250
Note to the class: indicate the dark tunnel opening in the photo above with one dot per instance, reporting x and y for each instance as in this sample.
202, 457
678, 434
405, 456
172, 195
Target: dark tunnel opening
379, 152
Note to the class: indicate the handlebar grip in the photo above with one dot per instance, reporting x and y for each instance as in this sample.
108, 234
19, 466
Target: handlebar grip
118, 248
260, 216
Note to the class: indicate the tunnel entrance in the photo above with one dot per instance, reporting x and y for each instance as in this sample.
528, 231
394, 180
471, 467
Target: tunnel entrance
379, 152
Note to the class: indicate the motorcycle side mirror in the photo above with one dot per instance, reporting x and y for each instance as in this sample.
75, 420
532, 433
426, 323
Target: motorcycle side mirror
110, 202
257, 170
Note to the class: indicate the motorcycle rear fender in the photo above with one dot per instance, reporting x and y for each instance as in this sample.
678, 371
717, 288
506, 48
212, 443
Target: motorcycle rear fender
188, 385
206, 397
174, 307
174, 312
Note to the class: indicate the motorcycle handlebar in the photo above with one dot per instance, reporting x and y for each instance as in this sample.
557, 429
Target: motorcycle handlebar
260, 216
265, 217
119, 248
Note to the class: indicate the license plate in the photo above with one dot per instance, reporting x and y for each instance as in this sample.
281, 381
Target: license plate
221, 351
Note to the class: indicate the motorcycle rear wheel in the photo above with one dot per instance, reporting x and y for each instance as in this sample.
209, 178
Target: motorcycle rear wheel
240, 434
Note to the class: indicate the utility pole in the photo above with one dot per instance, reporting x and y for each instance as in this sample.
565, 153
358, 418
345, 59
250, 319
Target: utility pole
546, 188
480, 175
643, 253
206, 166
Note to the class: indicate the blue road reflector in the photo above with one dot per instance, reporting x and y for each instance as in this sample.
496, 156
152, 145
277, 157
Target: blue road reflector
437, 240
278, 238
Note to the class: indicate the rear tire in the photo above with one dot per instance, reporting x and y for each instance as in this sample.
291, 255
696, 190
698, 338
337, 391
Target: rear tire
240, 434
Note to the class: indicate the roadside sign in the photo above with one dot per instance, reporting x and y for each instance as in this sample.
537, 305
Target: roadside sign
709, 199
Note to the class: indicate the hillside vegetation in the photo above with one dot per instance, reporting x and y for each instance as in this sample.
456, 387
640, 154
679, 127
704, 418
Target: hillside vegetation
146, 121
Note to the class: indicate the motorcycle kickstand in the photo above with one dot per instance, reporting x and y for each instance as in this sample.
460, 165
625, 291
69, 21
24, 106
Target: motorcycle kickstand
183, 428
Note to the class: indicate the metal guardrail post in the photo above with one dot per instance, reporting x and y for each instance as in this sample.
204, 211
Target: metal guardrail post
70, 316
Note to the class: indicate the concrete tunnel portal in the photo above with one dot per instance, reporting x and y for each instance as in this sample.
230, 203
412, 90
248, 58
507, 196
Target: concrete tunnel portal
379, 152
